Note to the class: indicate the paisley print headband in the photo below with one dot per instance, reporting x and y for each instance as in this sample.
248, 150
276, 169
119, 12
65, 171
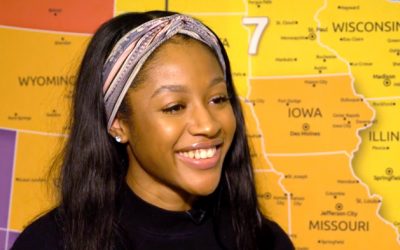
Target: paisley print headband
132, 50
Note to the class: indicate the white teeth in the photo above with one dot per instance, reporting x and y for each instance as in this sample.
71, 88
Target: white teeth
191, 154
199, 153
210, 152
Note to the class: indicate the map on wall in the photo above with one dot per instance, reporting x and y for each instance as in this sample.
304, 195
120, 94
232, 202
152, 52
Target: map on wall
319, 83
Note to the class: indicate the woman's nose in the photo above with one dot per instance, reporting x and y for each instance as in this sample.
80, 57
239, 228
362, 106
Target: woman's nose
203, 122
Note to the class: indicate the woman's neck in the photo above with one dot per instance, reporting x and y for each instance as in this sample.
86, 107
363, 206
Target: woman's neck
164, 198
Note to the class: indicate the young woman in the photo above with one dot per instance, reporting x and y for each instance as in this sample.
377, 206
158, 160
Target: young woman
157, 156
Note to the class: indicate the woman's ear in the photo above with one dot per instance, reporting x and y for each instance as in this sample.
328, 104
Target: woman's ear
119, 131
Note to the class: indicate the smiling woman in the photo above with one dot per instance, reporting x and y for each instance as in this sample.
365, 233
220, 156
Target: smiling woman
157, 157
180, 128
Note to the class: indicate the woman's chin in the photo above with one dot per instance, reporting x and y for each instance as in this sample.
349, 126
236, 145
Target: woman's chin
203, 188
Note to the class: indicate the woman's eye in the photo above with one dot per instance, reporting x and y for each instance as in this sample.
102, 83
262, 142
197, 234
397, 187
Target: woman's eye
219, 99
173, 109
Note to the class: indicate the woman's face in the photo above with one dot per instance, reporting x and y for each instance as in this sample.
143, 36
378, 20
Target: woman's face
181, 127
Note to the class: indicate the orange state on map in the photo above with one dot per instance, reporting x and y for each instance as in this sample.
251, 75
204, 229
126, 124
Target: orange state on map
64, 15
255, 139
38, 75
33, 192
272, 198
309, 114
329, 207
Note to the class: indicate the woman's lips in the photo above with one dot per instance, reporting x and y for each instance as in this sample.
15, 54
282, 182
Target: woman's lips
209, 161
203, 155
198, 154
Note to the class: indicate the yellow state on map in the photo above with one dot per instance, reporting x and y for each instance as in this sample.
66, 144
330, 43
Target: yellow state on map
39, 76
367, 35
122, 6
371, 45
377, 162
207, 6
327, 174
301, 115
288, 45
182, 6
228, 27
329, 208
234, 38
33, 190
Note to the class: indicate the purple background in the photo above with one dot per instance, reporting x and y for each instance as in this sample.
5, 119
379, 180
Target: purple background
7, 145
2, 239
12, 236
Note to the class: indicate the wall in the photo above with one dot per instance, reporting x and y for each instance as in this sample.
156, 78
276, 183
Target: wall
320, 85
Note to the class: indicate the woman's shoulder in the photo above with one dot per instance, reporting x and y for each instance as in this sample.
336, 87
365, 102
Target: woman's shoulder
43, 233
274, 237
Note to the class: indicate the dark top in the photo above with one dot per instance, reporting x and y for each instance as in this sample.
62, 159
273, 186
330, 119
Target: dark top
147, 227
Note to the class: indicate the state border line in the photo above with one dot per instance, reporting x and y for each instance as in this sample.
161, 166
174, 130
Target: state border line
35, 132
351, 167
216, 13
263, 147
246, 6
44, 31
9, 230
324, 46
11, 188
114, 8
370, 194
382, 98
340, 152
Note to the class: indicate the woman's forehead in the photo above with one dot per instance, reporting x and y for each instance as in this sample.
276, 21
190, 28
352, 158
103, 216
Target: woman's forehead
184, 58
181, 66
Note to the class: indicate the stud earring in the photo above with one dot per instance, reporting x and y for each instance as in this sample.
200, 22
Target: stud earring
118, 139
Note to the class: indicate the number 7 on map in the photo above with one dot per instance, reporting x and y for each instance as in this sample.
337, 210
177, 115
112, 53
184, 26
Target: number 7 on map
261, 23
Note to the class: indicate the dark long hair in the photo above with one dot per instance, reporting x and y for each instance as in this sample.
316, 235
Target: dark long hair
94, 165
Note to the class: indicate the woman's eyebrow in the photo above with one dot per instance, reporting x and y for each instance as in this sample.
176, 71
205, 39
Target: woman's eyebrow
170, 88
181, 88
217, 80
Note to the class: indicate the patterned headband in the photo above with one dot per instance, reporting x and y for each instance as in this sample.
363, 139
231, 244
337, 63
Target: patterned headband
133, 49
